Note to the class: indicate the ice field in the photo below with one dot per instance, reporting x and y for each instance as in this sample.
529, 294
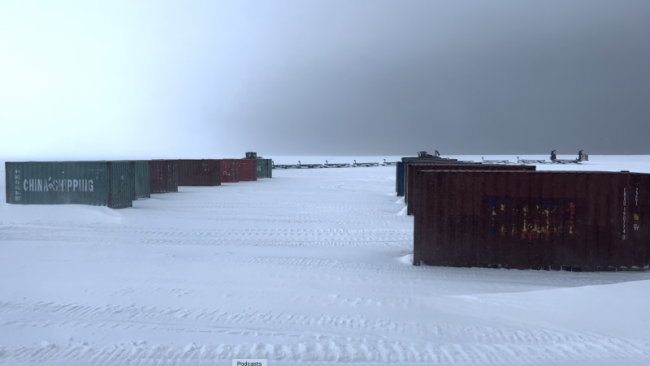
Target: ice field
311, 267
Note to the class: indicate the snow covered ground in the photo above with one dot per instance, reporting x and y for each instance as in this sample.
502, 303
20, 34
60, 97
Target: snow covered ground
311, 267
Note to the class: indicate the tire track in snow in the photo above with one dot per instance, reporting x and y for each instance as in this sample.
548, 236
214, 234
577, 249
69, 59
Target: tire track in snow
285, 324
327, 349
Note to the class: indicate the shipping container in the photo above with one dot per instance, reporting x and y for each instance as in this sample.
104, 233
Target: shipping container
262, 168
400, 170
229, 170
399, 183
163, 176
247, 170
579, 221
132, 180
142, 179
413, 167
97, 183
199, 172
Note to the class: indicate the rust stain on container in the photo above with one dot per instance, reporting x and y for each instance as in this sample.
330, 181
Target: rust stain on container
229, 170
247, 170
203, 172
525, 219
413, 167
163, 175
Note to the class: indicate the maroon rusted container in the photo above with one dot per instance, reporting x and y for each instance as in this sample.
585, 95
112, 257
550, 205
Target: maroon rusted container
163, 175
199, 172
525, 219
414, 167
247, 170
229, 170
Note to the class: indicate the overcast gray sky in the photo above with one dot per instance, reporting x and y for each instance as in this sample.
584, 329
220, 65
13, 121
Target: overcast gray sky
217, 78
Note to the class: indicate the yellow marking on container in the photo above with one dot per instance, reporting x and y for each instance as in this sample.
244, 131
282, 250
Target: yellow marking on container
636, 217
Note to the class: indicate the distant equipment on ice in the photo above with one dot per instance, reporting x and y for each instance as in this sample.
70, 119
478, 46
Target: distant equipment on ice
495, 161
300, 165
364, 164
424, 154
336, 165
526, 161
308, 166
582, 156
554, 160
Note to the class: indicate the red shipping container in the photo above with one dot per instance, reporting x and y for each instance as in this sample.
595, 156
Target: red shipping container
230, 170
163, 175
199, 172
532, 219
413, 167
247, 170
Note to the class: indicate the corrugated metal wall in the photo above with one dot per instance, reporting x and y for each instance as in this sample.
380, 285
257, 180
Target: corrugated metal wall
414, 167
195, 172
261, 168
247, 170
84, 182
142, 179
264, 168
229, 170
525, 219
132, 180
121, 186
401, 169
163, 175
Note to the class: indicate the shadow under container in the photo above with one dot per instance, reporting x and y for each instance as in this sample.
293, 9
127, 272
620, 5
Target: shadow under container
199, 172
247, 170
229, 170
578, 221
163, 176
413, 167
96, 183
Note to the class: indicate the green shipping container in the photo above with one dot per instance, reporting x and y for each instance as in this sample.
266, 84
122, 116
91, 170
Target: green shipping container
261, 168
132, 175
142, 179
264, 168
97, 183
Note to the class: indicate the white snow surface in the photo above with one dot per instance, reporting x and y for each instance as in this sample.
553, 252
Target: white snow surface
312, 267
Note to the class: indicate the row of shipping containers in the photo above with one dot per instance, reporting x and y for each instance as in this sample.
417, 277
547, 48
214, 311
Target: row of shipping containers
116, 184
516, 217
